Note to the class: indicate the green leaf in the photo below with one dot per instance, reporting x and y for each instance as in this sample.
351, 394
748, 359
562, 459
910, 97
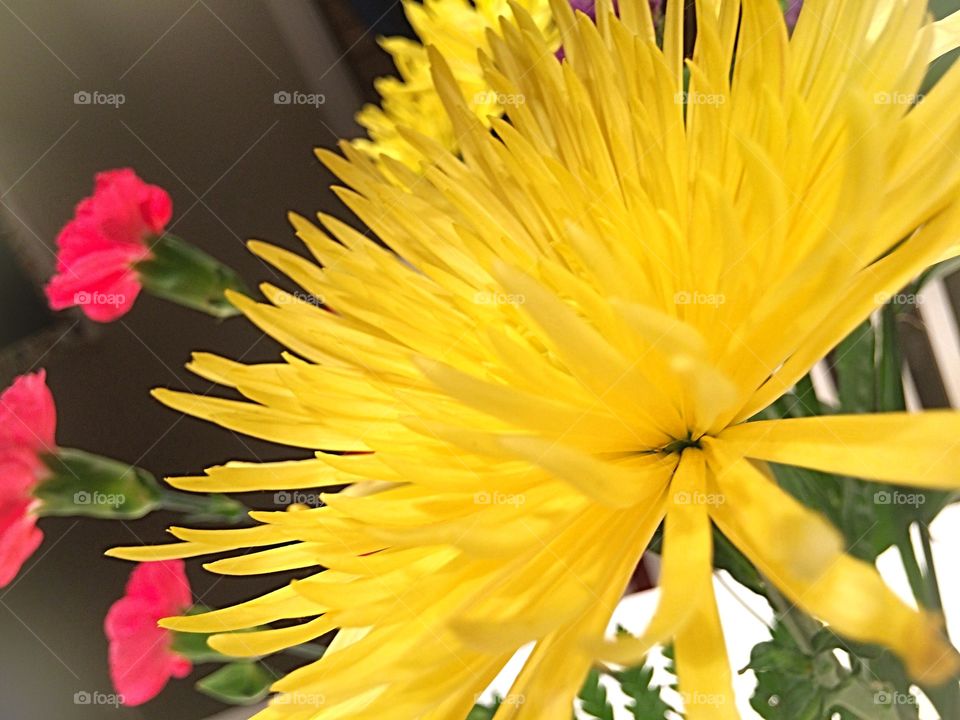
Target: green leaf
593, 697
485, 712
240, 683
785, 682
184, 274
81, 484
855, 359
645, 701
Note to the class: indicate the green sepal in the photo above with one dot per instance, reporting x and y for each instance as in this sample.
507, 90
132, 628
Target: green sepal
184, 274
239, 683
82, 484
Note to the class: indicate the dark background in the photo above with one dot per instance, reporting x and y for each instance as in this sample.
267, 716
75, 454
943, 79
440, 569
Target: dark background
199, 120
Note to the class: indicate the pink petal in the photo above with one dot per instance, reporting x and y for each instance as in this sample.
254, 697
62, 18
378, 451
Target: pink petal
19, 538
141, 659
107, 236
28, 416
19, 471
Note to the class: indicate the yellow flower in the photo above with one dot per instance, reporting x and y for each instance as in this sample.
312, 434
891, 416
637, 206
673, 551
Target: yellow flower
589, 308
458, 29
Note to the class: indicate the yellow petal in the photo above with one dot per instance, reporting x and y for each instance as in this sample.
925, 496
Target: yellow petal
251, 477
281, 604
946, 35
686, 571
801, 553
265, 642
920, 449
703, 668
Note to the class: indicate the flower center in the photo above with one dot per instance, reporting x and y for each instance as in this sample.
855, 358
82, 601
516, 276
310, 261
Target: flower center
680, 444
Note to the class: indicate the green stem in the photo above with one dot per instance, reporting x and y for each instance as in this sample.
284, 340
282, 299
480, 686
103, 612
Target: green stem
201, 505
918, 584
932, 584
792, 618
926, 589
307, 651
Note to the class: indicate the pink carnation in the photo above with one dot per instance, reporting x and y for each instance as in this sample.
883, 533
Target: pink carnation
107, 237
28, 421
141, 656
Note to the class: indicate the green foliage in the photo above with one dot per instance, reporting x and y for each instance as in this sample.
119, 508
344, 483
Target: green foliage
645, 701
809, 683
485, 712
239, 683
593, 697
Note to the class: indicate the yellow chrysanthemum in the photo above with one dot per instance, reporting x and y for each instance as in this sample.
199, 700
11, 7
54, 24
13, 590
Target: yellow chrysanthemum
458, 29
590, 306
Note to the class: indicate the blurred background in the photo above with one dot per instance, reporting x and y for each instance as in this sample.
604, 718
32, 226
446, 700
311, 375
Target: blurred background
198, 117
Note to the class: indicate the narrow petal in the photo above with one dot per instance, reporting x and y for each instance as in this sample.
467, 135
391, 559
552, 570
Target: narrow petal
703, 668
801, 553
921, 449
946, 35
687, 564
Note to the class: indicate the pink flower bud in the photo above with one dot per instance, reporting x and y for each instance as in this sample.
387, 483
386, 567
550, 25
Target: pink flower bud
98, 248
142, 659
